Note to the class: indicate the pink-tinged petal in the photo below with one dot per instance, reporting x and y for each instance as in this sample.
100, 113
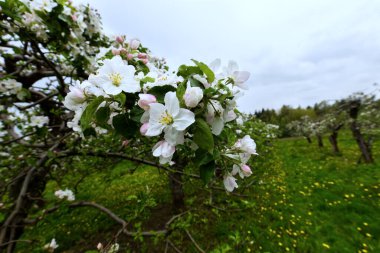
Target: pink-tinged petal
154, 129
183, 119
145, 100
230, 183
246, 170
172, 103
164, 149
144, 128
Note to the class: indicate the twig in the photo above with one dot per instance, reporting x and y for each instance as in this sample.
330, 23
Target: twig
38, 101
173, 246
194, 242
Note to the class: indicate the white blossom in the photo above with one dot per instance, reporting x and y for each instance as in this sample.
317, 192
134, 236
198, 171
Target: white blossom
39, 121
115, 76
230, 182
192, 96
169, 117
247, 145
239, 77
68, 194
51, 246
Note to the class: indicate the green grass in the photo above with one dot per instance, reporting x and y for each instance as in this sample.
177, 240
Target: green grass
303, 199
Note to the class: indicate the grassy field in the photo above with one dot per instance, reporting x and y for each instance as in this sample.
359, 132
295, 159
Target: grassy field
302, 199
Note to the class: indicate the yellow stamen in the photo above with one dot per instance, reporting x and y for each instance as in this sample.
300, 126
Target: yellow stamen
115, 78
166, 118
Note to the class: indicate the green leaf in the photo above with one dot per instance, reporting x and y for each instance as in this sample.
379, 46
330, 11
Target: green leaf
136, 114
202, 157
89, 113
120, 98
90, 131
203, 136
206, 171
186, 71
124, 126
181, 90
102, 116
206, 70
160, 91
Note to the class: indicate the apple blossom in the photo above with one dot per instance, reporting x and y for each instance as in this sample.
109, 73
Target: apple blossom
192, 96
169, 115
61, 194
238, 77
164, 150
134, 44
145, 100
246, 144
51, 246
144, 128
115, 76
74, 98
243, 170
39, 121
229, 182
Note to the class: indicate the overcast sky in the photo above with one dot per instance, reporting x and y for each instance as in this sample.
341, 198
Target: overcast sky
298, 52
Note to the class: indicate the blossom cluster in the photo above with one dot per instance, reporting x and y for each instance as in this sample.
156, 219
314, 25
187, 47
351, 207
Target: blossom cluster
68, 194
173, 108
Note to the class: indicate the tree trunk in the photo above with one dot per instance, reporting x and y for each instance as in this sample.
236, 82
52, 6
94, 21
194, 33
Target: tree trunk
333, 138
11, 232
320, 141
363, 145
176, 187
308, 139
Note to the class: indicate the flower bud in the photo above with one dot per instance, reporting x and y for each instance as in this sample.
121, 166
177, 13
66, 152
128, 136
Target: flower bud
125, 143
142, 56
99, 246
145, 61
134, 44
123, 51
144, 128
246, 170
130, 56
192, 96
145, 100
120, 39
115, 51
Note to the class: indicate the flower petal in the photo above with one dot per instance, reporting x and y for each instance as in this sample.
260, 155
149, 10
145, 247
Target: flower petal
172, 103
184, 119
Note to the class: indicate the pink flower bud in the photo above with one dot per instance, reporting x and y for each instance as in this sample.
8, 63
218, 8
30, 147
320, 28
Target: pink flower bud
74, 17
125, 143
115, 51
99, 246
120, 39
123, 51
142, 56
130, 56
134, 44
145, 61
145, 100
246, 170
144, 128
